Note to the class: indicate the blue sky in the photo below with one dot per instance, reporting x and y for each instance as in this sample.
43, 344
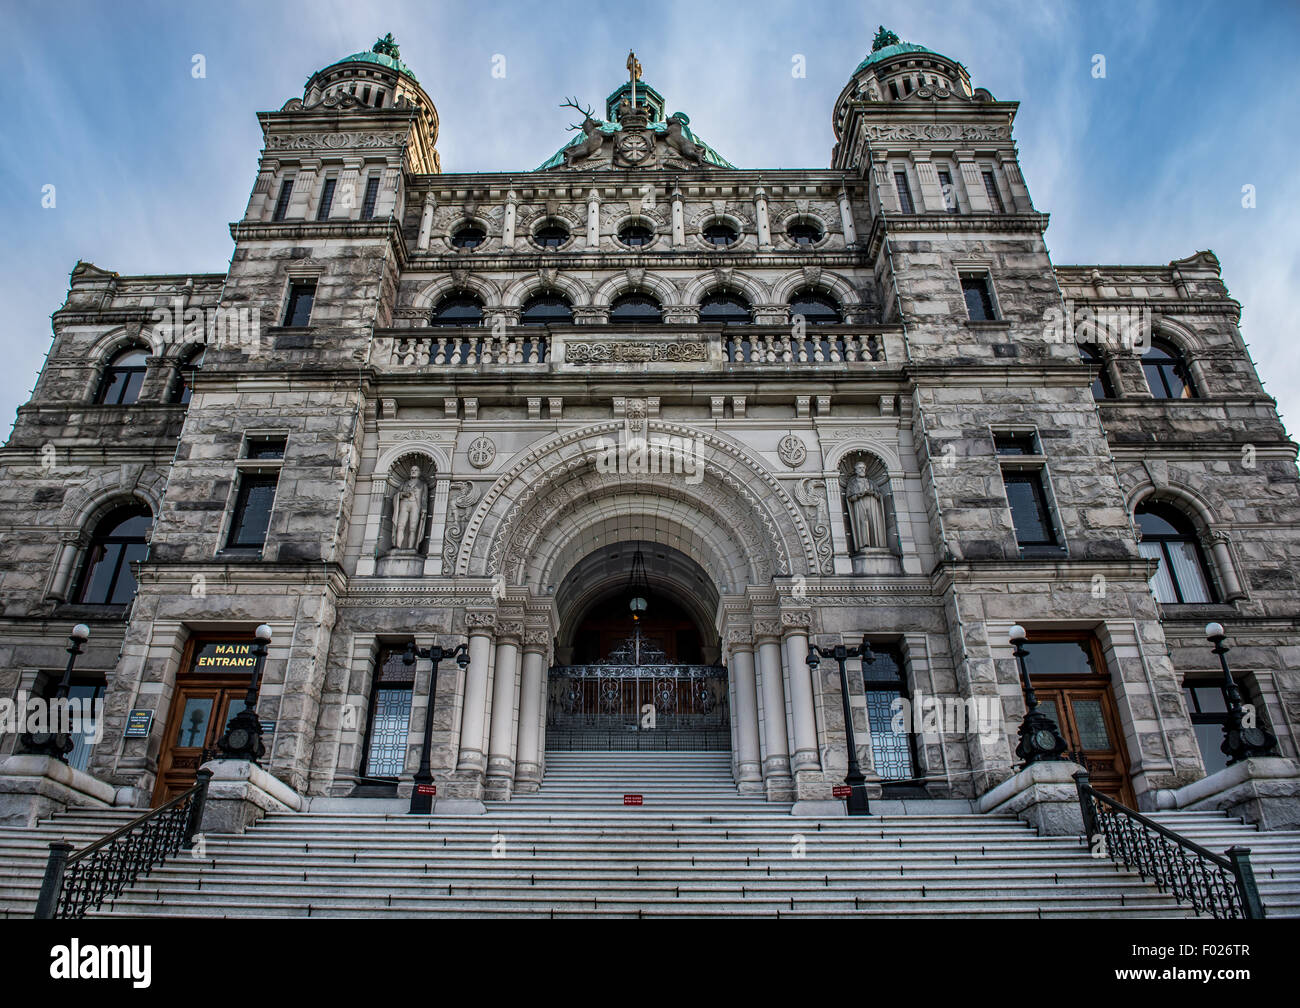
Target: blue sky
1143, 166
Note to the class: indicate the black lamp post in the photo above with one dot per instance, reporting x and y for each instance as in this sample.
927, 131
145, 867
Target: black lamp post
1240, 742
857, 803
58, 744
243, 737
422, 792
1040, 738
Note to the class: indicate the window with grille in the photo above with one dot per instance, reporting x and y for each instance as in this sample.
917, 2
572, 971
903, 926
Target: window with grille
371, 198
326, 199
904, 193
390, 716
883, 684
995, 197
282, 203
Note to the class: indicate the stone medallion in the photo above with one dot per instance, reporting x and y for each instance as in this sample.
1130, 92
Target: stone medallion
481, 452
791, 450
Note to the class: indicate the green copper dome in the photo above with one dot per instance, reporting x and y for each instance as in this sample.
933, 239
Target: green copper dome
385, 53
893, 50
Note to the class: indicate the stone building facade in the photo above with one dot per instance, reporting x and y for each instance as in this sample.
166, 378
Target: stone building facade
412, 411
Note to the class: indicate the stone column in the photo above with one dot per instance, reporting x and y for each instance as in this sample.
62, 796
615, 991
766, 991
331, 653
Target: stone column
426, 222
505, 701
764, 225
71, 547
749, 769
846, 219
528, 757
776, 758
883, 186
802, 707
508, 224
1015, 182
481, 626
679, 220
1228, 581
593, 221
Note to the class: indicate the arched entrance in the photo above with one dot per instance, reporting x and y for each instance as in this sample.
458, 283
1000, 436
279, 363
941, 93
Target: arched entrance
645, 677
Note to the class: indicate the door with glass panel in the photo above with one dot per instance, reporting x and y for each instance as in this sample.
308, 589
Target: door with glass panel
1070, 677
200, 712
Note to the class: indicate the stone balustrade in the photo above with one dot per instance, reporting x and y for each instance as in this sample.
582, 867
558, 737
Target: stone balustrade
650, 348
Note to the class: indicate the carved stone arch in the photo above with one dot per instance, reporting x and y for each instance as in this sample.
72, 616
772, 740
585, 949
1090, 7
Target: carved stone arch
93, 499
887, 454
704, 284
837, 286
458, 280
732, 469
529, 284
630, 281
113, 342
436, 453
1180, 335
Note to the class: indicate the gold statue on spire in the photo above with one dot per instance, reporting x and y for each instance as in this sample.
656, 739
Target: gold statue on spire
634, 71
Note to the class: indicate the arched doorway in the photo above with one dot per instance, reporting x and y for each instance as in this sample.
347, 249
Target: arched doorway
643, 677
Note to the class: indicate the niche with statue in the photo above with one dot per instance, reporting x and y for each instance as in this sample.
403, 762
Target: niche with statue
404, 528
869, 518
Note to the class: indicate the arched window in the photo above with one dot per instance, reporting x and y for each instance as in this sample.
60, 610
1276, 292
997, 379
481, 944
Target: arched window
546, 308
1101, 386
468, 236
1166, 372
183, 387
118, 541
804, 233
458, 309
551, 235
728, 309
636, 235
640, 309
1167, 536
720, 234
123, 377
816, 307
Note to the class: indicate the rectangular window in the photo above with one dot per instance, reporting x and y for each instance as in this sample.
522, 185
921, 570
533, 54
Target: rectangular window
282, 203
371, 198
979, 297
264, 448
253, 506
1029, 511
301, 295
1015, 444
326, 199
904, 192
390, 717
1209, 714
949, 191
893, 90
995, 197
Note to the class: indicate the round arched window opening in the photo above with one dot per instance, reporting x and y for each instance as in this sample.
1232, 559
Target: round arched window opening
118, 541
470, 236
817, 307
547, 308
636, 235
459, 309
720, 234
183, 390
636, 309
123, 377
805, 233
551, 235
1170, 538
725, 308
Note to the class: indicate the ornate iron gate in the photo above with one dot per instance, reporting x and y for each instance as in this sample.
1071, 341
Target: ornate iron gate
635, 700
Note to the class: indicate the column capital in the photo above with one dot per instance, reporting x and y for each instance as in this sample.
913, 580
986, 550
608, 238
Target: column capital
482, 620
537, 639
795, 620
767, 630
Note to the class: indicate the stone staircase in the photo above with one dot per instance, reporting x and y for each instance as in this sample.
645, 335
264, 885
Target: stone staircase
695, 848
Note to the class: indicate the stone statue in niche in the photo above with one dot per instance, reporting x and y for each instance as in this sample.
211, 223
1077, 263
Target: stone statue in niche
866, 510
410, 504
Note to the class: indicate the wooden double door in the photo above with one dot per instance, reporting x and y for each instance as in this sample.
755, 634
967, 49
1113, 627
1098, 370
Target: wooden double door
1085, 712
201, 709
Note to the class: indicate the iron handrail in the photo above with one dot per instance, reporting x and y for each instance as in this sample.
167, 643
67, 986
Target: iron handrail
77, 883
1222, 885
